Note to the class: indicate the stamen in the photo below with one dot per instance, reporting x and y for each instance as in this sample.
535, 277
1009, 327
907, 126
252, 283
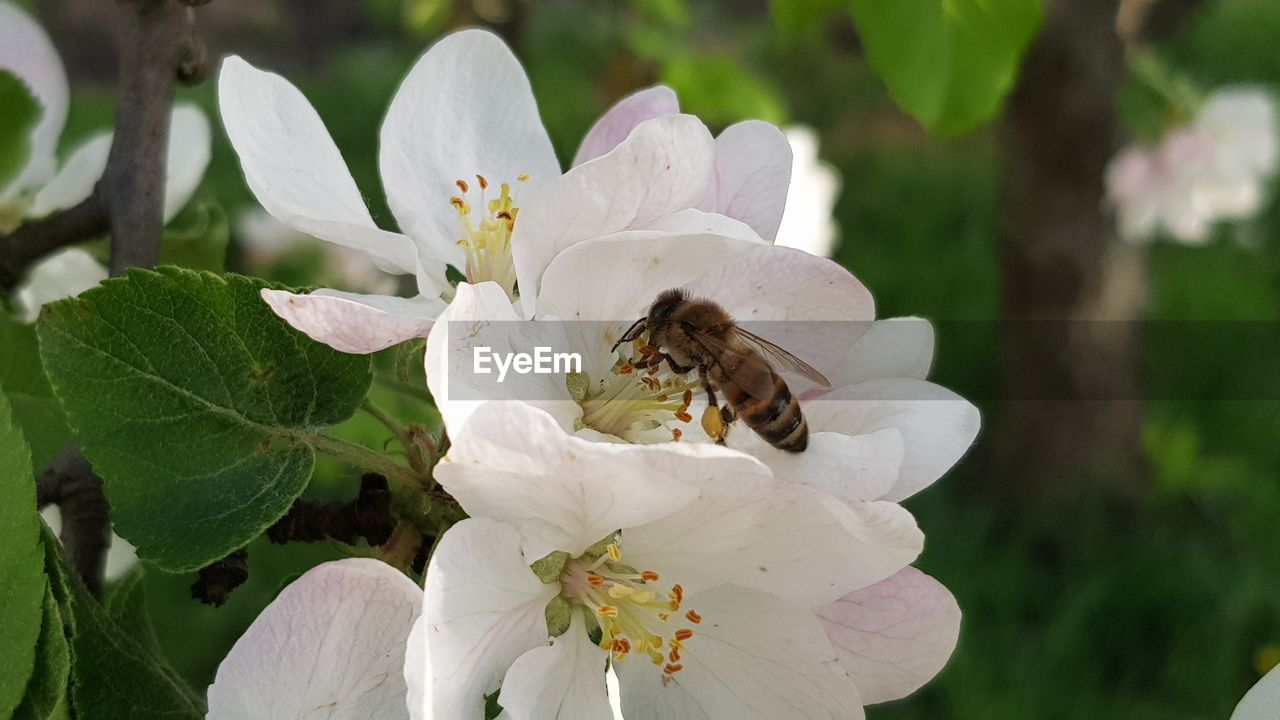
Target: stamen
484, 184
693, 617
462, 185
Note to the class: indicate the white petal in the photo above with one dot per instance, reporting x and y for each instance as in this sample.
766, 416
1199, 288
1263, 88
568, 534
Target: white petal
894, 636
644, 264
64, 274
484, 608
807, 223
782, 538
810, 306
563, 681
74, 181
618, 121
854, 467
465, 109
1262, 702
27, 52
331, 645
514, 463
753, 171
418, 672
661, 168
190, 142
753, 657
892, 348
295, 170
357, 324
937, 425
481, 315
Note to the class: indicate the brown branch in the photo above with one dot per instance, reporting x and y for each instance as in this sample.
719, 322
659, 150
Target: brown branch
158, 48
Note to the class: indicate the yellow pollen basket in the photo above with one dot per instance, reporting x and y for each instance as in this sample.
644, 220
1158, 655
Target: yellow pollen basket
486, 237
633, 618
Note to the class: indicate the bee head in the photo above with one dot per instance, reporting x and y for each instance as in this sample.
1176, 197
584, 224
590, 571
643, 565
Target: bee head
662, 308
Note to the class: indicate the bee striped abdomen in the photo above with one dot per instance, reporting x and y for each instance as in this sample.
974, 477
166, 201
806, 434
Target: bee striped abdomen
777, 419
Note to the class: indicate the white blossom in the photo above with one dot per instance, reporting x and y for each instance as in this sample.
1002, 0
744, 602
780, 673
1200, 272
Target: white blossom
703, 573
1262, 702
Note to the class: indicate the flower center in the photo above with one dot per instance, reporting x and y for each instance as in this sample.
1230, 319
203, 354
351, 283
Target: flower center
633, 618
486, 236
636, 401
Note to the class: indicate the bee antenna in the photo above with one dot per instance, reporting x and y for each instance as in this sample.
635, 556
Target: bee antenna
632, 333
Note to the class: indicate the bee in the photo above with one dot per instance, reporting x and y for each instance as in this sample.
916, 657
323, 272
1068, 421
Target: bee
695, 334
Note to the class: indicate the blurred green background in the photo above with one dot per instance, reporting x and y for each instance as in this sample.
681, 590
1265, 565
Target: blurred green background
1166, 608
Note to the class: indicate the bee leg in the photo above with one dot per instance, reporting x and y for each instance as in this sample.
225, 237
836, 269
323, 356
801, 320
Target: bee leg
713, 417
727, 416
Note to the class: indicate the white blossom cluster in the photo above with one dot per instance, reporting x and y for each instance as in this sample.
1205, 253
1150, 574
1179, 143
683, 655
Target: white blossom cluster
1212, 169
703, 581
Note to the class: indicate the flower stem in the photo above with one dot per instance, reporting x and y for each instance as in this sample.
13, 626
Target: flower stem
362, 457
382, 416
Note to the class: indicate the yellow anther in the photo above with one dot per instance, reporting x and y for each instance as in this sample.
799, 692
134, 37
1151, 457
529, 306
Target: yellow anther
523, 177
617, 592
607, 611
615, 553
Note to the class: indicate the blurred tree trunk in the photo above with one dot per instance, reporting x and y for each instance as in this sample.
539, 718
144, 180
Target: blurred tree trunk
1070, 426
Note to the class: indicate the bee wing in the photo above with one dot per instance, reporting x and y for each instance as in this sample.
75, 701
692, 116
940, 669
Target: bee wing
752, 372
784, 359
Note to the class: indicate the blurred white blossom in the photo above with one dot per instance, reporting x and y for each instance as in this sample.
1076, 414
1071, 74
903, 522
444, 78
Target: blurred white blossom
1214, 168
265, 241
807, 223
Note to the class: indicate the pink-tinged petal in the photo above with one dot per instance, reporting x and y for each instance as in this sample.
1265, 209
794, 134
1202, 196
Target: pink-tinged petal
753, 172
74, 181
894, 636
465, 109
753, 657
331, 645
190, 143
937, 425
662, 167
789, 540
295, 170
563, 681
515, 463
854, 467
810, 306
1262, 702
28, 53
618, 121
356, 324
484, 608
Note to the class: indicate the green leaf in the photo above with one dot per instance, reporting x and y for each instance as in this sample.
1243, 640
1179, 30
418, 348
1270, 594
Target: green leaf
949, 63
196, 404
48, 684
23, 381
126, 605
22, 583
19, 113
113, 676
